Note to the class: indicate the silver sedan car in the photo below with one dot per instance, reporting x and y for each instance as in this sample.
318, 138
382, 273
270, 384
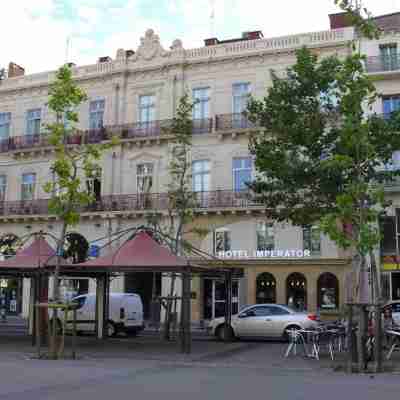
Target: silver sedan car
264, 321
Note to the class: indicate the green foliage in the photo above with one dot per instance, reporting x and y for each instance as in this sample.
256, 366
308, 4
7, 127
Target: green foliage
355, 12
319, 155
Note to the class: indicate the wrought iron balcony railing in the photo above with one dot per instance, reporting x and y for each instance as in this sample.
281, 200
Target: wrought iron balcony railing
383, 63
212, 200
126, 131
232, 121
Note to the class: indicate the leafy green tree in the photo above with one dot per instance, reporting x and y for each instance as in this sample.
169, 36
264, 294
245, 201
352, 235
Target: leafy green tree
320, 151
181, 199
71, 168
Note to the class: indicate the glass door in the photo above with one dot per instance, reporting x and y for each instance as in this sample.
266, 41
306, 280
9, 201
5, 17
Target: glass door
214, 298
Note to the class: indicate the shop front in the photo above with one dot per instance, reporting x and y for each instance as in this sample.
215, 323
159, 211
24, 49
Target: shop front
313, 285
10, 296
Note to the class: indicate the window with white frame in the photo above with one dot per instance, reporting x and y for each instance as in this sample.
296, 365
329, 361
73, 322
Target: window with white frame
240, 94
389, 56
3, 187
390, 104
241, 170
93, 185
201, 175
147, 109
222, 240
144, 177
33, 121
96, 114
28, 186
5, 120
312, 239
201, 100
265, 236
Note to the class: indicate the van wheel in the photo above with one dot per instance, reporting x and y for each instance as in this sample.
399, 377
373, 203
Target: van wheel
111, 329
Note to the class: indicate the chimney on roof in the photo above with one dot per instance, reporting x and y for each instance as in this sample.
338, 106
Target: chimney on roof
104, 59
339, 20
211, 42
252, 35
15, 70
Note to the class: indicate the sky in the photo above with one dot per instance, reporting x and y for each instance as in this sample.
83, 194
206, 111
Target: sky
34, 33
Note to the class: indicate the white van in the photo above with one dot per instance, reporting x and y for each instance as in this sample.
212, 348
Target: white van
125, 313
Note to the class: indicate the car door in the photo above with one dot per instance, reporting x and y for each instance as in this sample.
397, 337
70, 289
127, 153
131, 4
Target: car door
279, 320
255, 322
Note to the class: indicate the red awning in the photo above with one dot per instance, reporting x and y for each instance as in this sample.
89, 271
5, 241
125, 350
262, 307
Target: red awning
140, 253
36, 255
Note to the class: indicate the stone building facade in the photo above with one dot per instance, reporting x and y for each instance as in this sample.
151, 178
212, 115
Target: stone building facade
133, 95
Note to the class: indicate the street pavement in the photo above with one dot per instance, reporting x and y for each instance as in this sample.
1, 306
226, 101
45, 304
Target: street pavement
145, 368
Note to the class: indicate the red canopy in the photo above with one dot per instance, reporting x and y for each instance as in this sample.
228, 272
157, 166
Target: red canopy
140, 253
36, 255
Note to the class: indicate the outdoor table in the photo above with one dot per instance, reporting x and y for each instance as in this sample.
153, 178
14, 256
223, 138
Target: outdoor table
396, 342
295, 337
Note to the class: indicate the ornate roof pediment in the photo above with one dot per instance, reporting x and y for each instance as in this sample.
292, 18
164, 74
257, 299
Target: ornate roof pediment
150, 47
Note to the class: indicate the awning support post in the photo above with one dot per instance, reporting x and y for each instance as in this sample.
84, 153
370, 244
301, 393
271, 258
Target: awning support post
186, 334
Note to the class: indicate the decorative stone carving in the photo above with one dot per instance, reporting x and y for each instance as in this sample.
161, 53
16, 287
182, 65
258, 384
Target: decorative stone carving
177, 45
121, 55
150, 47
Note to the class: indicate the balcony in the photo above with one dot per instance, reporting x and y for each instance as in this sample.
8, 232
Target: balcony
212, 201
383, 64
229, 122
139, 130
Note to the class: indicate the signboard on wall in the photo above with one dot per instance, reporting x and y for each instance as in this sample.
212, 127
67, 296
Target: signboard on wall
391, 263
282, 253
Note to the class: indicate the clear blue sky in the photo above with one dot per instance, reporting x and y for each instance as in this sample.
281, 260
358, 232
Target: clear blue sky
34, 32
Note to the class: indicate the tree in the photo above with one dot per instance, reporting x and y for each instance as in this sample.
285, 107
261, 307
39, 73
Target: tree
181, 199
72, 165
359, 17
321, 153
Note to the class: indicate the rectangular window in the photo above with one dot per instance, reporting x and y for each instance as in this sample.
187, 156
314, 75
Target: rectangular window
390, 104
3, 187
388, 236
201, 176
96, 114
5, 120
147, 109
144, 177
241, 169
222, 241
94, 185
389, 57
265, 236
28, 187
312, 239
33, 120
240, 93
201, 99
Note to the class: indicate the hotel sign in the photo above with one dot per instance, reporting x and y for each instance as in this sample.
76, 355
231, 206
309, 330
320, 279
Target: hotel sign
244, 254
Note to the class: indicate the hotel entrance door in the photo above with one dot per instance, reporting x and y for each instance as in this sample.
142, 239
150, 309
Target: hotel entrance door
214, 295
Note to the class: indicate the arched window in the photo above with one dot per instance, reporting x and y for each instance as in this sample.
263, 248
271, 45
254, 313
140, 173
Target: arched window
328, 291
75, 247
9, 245
266, 288
296, 291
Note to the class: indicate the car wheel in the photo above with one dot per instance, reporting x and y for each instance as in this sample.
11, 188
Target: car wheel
111, 329
285, 334
220, 333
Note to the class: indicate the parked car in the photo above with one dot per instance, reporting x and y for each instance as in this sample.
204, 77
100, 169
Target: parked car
395, 308
125, 313
264, 321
